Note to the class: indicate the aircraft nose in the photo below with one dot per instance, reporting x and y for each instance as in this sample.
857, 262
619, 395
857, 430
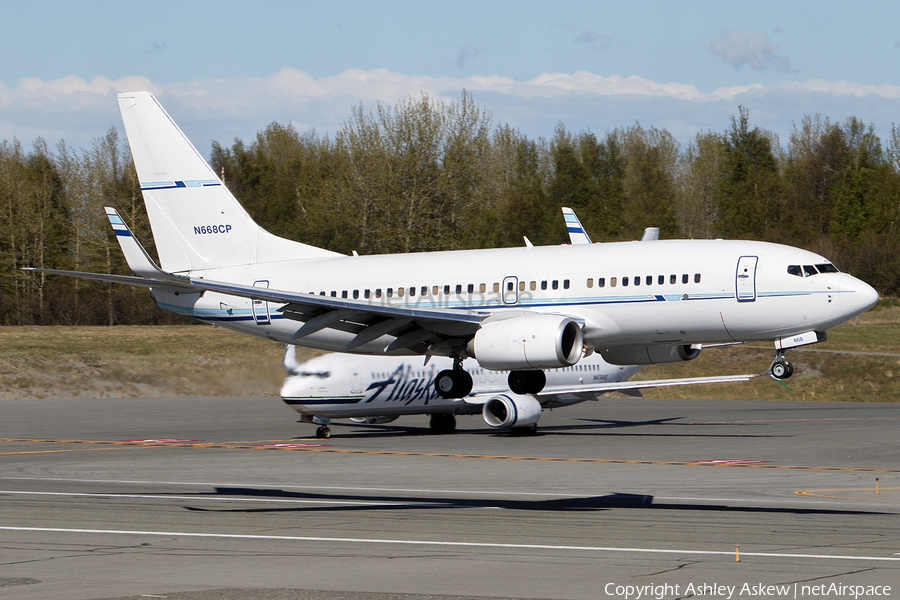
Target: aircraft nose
856, 296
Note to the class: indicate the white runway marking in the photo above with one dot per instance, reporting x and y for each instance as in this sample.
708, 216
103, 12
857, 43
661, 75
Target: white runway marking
545, 547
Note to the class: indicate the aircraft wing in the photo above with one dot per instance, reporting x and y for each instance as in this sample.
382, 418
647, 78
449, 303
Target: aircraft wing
626, 386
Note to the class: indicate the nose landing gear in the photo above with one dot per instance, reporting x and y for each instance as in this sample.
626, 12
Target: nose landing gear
781, 368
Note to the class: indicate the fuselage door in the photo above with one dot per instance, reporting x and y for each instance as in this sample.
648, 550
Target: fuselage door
745, 279
260, 308
510, 290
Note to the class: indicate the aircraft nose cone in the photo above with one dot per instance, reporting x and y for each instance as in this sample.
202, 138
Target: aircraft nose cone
856, 296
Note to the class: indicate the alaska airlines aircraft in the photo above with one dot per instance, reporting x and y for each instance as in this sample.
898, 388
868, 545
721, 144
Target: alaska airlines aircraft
378, 389
512, 309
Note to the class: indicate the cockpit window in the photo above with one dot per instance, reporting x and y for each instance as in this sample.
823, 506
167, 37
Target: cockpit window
319, 374
810, 270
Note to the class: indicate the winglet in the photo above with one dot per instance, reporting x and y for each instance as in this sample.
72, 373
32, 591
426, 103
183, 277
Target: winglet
138, 259
577, 234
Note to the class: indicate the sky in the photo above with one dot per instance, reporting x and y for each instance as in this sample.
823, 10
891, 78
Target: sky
226, 69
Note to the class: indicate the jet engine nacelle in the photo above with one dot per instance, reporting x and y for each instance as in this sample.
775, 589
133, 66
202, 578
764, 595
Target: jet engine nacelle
649, 355
528, 342
511, 410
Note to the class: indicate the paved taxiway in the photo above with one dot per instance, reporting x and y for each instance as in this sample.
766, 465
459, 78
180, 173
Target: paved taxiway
95, 503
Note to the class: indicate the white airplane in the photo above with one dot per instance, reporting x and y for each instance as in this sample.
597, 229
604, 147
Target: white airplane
520, 310
379, 389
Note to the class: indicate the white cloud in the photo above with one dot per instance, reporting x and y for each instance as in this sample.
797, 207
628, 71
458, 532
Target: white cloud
78, 111
738, 48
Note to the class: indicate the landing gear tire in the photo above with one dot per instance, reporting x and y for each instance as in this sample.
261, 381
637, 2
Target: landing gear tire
529, 430
782, 370
323, 432
526, 382
441, 424
454, 383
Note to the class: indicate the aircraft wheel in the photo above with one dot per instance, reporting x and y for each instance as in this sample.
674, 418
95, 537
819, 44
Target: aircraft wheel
441, 424
323, 433
529, 430
453, 384
526, 382
782, 370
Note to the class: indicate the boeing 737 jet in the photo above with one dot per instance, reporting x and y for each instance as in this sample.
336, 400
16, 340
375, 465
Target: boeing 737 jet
379, 389
520, 310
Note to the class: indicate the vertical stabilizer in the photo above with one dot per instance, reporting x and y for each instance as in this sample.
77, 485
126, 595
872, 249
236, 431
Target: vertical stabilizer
197, 223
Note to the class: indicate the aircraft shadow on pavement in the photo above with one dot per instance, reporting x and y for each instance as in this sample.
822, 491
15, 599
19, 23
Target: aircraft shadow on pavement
598, 427
590, 503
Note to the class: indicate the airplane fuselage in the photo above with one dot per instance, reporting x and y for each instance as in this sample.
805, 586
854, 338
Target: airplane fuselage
627, 294
345, 386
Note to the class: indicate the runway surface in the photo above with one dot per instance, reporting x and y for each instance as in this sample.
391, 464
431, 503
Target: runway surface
177, 498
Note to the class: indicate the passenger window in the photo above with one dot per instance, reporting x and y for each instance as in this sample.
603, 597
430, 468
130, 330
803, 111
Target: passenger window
590, 282
366, 293
356, 294
612, 282
521, 286
684, 278
625, 281
470, 288
333, 294
533, 285
459, 288
446, 289
637, 280
810, 270
412, 291
544, 285
649, 279
321, 293
565, 284
601, 281
795, 270
344, 294
661, 279
434, 290
496, 287
390, 292
424, 290
696, 277
482, 288
673, 279
555, 284
378, 292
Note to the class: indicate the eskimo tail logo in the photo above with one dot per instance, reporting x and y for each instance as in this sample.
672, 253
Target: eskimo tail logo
404, 386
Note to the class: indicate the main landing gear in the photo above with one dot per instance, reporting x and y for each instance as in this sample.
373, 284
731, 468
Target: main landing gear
442, 423
323, 432
453, 383
526, 382
781, 368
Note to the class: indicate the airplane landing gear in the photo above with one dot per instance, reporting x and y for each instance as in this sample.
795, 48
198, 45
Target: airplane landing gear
781, 368
526, 382
323, 432
455, 383
441, 423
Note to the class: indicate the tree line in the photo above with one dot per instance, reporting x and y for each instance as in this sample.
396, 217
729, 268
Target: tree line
432, 175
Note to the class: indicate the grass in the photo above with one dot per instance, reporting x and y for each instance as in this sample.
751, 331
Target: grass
858, 363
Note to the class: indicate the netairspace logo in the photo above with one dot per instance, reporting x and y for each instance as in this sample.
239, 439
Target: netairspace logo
747, 590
